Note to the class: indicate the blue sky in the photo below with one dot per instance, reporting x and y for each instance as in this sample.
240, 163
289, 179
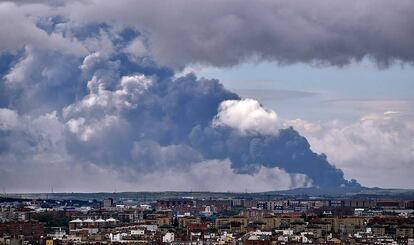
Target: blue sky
334, 92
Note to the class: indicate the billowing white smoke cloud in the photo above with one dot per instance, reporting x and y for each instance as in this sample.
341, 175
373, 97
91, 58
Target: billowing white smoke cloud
106, 105
85, 103
378, 150
51, 165
247, 116
107, 133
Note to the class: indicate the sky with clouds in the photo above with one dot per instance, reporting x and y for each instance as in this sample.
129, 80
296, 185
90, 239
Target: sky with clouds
207, 96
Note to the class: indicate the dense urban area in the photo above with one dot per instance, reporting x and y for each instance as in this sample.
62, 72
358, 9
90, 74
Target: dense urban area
207, 220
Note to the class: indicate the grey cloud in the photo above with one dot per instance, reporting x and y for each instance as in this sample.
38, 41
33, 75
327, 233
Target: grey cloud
219, 176
19, 29
126, 117
163, 157
35, 78
225, 33
377, 149
140, 124
287, 150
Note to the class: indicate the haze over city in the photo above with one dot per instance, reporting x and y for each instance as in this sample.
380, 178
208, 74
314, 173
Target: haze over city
221, 96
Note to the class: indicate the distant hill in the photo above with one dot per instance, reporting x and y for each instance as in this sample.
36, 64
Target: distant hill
311, 192
349, 192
